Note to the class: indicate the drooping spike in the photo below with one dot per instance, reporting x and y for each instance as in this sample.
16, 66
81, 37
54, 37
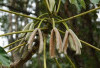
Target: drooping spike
65, 42
52, 45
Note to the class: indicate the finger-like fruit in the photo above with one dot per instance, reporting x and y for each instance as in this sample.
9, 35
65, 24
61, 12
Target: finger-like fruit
65, 42
52, 45
31, 39
41, 41
58, 40
76, 41
25, 28
25, 52
71, 42
29, 33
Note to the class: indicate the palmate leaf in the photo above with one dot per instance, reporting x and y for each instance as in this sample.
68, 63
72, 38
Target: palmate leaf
4, 59
95, 1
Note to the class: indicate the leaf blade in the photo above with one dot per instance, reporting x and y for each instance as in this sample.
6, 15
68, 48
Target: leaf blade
4, 59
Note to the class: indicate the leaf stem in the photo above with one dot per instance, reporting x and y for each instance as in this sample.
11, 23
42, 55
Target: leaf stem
67, 57
64, 23
40, 23
53, 22
43, 15
16, 32
44, 52
12, 43
16, 47
90, 45
58, 65
40, 17
19, 32
24, 15
58, 6
81, 14
47, 4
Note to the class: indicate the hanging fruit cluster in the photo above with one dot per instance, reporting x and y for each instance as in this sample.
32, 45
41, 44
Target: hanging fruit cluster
56, 43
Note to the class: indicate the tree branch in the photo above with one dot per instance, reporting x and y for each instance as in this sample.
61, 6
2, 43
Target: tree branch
81, 14
16, 9
20, 14
19, 63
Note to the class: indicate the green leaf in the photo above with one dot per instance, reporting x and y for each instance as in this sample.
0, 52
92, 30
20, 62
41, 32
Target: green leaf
72, 1
95, 1
83, 4
4, 59
52, 5
75, 2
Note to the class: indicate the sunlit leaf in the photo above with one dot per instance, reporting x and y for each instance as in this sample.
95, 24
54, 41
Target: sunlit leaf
95, 1
83, 4
4, 59
72, 1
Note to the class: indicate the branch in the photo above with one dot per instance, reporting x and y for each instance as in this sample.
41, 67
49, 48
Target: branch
16, 9
20, 62
18, 32
90, 45
24, 15
81, 14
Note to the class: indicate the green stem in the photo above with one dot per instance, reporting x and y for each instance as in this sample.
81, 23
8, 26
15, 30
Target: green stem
16, 32
16, 47
40, 23
66, 26
47, 4
19, 32
58, 65
58, 6
81, 14
35, 24
64, 23
43, 15
12, 43
90, 45
40, 17
84, 42
67, 57
44, 52
24, 15
53, 22
61, 31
